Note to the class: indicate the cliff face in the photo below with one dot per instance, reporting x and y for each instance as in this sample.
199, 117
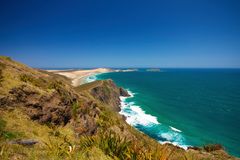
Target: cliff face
47, 108
43, 98
109, 94
49, 99
73, 122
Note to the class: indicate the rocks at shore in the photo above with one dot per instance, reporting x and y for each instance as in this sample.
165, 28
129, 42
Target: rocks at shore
208, 148
213, 147
123, 92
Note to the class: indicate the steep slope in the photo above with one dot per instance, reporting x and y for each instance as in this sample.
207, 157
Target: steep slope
44, 117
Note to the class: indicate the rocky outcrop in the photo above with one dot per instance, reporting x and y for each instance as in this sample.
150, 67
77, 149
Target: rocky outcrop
24, 142
85, 119
109, 94
49, 98
123, 92
213, 147
57, 107
47, 108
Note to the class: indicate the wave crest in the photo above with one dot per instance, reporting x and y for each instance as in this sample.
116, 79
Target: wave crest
91, 78
137, 117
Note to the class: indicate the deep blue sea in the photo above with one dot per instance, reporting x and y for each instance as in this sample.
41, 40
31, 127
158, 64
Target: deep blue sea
187, 107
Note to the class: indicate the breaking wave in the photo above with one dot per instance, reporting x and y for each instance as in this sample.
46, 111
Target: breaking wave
149, 124
91, 78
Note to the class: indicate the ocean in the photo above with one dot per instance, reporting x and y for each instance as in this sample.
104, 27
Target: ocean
185, 107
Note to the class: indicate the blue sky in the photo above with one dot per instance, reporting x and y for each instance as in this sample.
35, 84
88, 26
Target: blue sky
126, 33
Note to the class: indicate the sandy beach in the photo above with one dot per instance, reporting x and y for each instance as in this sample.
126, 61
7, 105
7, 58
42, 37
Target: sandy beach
78, 77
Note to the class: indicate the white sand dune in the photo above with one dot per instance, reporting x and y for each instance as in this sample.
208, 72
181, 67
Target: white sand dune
78, 76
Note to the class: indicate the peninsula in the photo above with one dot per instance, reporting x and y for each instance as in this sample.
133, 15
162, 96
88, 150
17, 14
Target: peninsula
44, 116
79, 76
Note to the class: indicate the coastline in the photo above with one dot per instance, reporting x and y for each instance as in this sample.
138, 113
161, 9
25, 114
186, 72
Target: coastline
172, 136
164, 132
137, 115
37, 98
81, 76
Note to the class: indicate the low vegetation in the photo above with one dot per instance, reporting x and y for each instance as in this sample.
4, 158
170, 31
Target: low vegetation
2, 66
73, 123
59, 142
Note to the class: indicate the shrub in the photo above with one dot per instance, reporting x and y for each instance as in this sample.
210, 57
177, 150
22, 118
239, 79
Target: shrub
6, 58
75, 107
2, 66
57, 85
39, 82
2, 126
57, 148
111, 144
87, 141
26, 78
114, 146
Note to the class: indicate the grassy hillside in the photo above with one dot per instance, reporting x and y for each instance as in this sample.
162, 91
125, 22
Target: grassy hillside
43, 117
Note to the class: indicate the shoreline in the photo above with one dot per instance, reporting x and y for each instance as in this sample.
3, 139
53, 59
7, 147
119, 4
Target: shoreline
35, 98
79, 77
173, 132
136, 116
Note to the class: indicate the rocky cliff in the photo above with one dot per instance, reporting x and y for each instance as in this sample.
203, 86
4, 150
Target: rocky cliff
67, 122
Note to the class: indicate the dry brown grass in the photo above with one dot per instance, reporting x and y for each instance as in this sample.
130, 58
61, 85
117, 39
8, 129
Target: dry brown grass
115, 139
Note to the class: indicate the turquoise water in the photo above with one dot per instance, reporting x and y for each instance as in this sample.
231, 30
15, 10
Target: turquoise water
184, 106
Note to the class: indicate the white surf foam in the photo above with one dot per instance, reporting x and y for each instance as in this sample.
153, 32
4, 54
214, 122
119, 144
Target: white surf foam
175, 129
130, 93
91, 78
135, 116
174, 138
185, 147
142, 118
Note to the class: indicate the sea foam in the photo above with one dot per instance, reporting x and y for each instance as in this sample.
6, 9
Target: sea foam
136, 116
175, 129
91, 78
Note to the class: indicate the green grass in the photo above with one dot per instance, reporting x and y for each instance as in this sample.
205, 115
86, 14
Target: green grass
114, 138
54, 143
6, 58
110, 143
88, 86
36, 81
75, 107
2, 66
4, 134
60, 142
